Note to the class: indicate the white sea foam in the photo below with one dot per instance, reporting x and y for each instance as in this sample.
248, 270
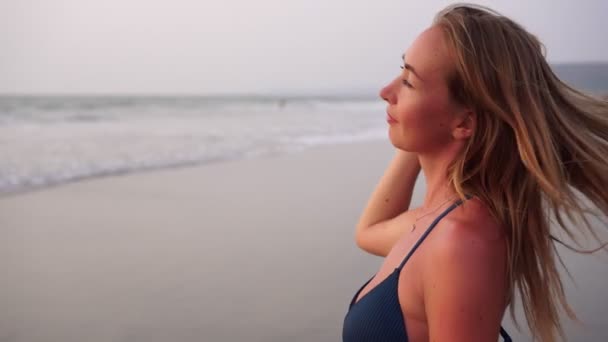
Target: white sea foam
48, 141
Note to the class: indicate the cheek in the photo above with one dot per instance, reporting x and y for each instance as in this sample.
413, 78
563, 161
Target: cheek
423, 113
425, 119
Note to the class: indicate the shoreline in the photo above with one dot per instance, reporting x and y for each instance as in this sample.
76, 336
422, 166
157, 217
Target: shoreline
185, 165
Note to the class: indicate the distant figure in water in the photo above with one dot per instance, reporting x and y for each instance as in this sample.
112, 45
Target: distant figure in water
505, 146
282, 103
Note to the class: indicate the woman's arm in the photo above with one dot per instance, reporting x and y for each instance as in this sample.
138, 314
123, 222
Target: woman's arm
376, 232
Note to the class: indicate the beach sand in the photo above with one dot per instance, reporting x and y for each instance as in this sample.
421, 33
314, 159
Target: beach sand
249, 250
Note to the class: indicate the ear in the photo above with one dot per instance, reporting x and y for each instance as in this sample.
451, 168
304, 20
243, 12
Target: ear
464, 124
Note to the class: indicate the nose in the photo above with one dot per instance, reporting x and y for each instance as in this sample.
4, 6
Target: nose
387, 93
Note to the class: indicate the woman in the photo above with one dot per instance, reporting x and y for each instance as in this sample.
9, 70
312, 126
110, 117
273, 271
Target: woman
500, 140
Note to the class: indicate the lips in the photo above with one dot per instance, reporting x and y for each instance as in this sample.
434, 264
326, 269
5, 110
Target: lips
390, 119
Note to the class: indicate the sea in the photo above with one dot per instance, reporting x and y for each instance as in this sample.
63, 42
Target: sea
48, 140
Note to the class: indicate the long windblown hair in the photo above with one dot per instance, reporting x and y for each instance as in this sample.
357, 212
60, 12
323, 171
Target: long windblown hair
538, 145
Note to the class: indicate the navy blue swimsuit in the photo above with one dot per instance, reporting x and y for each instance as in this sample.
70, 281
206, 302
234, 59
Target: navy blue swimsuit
378, 316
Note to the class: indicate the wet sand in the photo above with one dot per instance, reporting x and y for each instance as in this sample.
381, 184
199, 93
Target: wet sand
250, 250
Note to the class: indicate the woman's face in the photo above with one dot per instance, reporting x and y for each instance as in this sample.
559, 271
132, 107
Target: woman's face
418, 98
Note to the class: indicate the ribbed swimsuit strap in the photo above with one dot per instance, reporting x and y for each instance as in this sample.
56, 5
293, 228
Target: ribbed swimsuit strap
429, 229
504, 335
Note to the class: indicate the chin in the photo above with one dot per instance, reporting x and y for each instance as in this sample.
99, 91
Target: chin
399, 143
401, 146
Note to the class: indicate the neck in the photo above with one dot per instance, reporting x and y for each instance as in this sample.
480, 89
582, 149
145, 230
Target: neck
434, 167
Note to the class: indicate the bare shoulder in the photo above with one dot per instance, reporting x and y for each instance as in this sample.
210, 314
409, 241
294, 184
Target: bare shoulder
469, 240
464, 284
472, 222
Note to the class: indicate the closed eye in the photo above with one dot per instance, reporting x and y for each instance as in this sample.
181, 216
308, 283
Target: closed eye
406, 82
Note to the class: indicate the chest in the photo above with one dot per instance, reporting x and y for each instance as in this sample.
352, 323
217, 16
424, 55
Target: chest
409, 286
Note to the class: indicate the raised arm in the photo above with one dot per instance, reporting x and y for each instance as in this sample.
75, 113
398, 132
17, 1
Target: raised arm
376, 231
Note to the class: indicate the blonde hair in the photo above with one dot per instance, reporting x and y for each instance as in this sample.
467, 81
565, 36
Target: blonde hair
537, 146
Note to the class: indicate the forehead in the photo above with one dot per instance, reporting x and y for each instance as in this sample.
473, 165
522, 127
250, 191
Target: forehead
428, 54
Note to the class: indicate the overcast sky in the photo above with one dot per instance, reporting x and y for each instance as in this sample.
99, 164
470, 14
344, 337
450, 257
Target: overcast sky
247, 46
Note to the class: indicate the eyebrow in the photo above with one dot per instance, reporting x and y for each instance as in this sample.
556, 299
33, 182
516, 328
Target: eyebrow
409, 67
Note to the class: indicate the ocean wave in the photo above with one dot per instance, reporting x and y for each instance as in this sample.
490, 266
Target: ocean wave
53, 148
